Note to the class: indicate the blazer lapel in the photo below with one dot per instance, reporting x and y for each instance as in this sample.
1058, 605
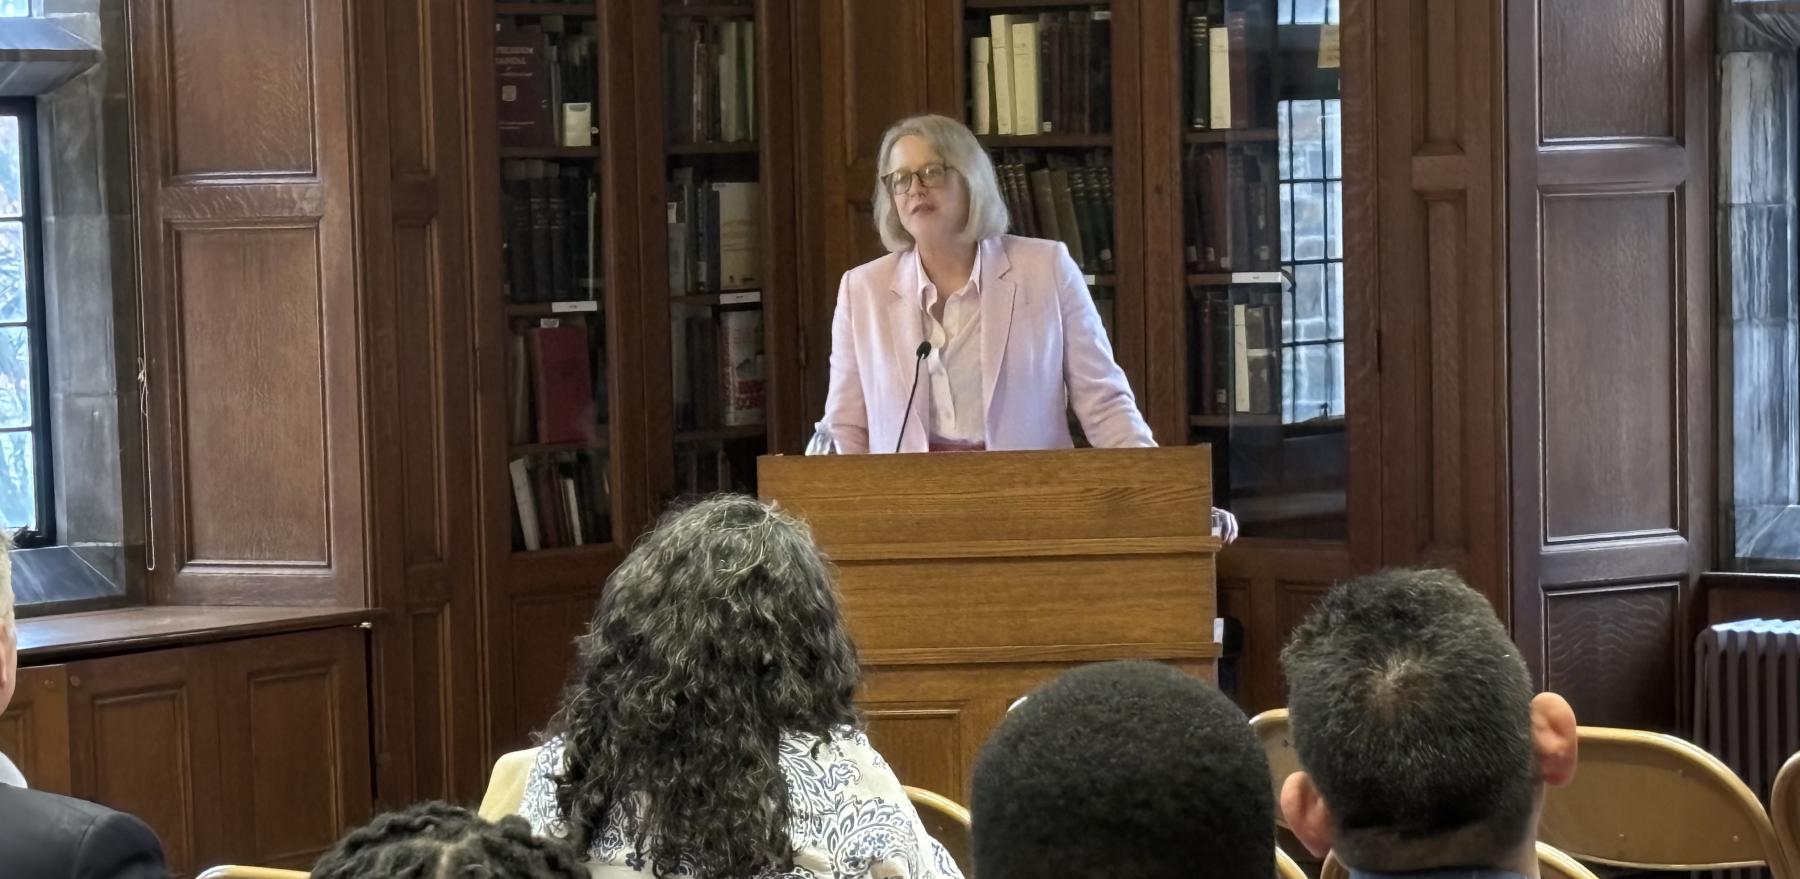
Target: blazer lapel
997, 293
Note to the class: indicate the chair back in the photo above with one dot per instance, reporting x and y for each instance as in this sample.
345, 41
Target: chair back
1553, 863
1286, 867
506, 787
1784, 808
948, 823
1648, 801
1272, 730
231, 871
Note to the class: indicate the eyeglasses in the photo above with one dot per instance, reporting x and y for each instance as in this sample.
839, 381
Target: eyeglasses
931, 177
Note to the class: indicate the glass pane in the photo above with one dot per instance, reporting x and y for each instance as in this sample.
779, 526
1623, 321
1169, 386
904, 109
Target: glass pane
15, 8
12, 162
18, 481
15, 377
561, 499
12, 272
1266, 363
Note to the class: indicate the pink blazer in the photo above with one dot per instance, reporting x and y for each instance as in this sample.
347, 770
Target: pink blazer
1043, 350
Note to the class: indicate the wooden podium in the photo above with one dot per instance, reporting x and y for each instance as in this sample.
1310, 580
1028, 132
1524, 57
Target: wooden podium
969, 579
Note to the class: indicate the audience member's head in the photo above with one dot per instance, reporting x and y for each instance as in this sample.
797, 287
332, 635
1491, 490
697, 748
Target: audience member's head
716, 636
1124, 769
1413, 715
9, 630
440, 841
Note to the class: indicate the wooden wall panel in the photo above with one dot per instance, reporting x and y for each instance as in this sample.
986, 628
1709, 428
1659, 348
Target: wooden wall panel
34, 730
1426, 123
145, 740
1611, 433
252, 305
293, 720
414, 187
1607, 69
1614, 652
925, 738
242, 77
543, 633
1610, 309
250, 343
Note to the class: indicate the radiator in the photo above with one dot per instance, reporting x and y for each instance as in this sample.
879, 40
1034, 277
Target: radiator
1747, 698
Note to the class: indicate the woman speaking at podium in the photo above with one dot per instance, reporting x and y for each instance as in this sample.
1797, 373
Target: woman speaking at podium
965, 338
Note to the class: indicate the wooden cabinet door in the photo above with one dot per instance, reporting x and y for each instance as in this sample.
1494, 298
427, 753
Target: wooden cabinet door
243, 752
294, 744
34, 731
143, 739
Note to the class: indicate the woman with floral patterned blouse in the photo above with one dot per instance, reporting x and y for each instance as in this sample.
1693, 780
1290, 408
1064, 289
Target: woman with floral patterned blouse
710, 731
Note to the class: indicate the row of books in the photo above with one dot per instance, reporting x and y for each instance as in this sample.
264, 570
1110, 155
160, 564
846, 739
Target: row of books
1235, 368
1042, 73
709, 80
713, 467
718, 367
1231, 204
548, 79
715, 233
550, 216
1062, 198
556, 382
561, 499
1230, 58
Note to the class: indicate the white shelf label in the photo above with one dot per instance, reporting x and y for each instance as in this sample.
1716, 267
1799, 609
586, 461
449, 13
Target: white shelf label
576, 305
746, 297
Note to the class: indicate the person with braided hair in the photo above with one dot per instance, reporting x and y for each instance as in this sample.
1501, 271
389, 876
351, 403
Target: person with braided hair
710, 732
436, 840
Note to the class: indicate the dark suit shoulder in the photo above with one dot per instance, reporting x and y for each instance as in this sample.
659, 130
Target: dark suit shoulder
45, 834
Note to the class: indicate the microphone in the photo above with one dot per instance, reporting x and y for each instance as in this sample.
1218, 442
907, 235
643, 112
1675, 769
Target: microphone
918, 360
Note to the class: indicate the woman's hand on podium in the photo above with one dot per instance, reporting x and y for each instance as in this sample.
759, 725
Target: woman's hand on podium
1224, 526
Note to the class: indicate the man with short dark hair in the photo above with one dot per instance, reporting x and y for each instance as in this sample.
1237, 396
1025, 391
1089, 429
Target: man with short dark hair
1413, 715
1124, 769
45, 836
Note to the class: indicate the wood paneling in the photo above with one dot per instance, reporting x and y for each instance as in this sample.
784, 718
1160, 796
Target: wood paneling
1608, 69
1614, 652
1269, 590
254, 412
922, 740
1611, 360
543, 633
414, 186
293, 716
1611, 432
145, 739
251, 752
242, 134
242, 79
34, 730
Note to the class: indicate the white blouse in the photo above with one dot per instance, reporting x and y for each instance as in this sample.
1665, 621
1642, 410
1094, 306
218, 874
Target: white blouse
958, 416
850, 818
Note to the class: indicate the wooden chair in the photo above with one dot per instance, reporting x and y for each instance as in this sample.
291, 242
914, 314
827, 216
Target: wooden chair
506, 787
1784, 809
235, 872
1553, 863
1654, 802
948, 823
1272, 730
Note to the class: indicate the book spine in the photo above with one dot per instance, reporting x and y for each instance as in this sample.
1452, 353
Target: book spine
743, 366
516, 211
1051, 74
522, 80
747, 78
1107, 213
1101, 116
561, 275
1065, 216
1027, 114
731, 124
1219, 75
981, 85
1000, 32
543, 209
1199, 63
531, 536
1043, 198
740, 235
1237, 26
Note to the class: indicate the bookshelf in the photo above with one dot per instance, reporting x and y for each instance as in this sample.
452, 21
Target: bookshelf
1042, 92
1261, 169
719, 297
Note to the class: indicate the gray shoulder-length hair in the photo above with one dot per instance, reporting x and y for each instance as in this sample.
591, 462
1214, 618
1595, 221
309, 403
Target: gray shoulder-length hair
959, 149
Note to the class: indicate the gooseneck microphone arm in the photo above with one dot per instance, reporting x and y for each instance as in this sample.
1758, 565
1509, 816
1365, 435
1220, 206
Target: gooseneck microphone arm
918, 360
